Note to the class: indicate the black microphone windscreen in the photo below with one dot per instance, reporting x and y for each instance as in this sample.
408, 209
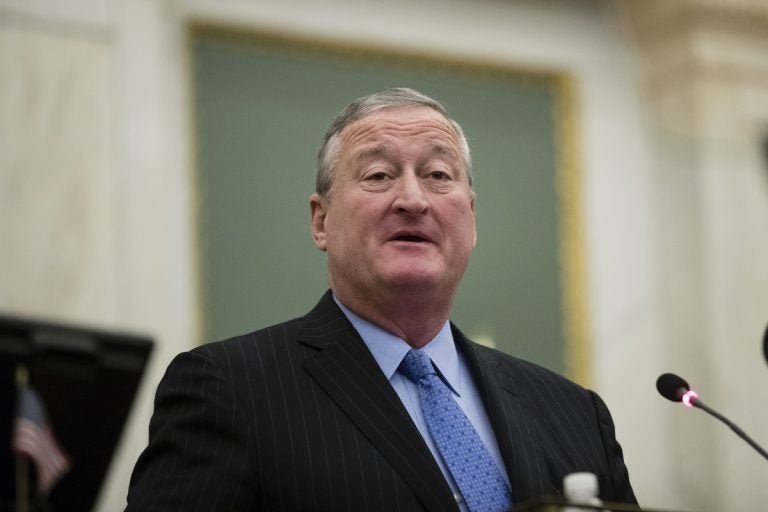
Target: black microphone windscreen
765, 344
669, 386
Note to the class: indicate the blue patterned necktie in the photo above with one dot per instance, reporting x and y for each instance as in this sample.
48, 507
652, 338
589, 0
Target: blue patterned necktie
481, 483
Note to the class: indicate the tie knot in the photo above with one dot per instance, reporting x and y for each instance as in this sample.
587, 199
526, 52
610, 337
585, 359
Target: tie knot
416, 365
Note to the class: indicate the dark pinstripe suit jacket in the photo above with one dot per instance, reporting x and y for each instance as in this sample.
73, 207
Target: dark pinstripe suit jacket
299, 416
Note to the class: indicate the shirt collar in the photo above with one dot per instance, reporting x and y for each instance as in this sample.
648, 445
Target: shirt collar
389, 350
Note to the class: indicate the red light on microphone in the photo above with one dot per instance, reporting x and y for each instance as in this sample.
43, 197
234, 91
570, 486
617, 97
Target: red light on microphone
688, 396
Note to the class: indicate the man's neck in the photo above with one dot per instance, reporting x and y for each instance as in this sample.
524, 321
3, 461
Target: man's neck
415, 318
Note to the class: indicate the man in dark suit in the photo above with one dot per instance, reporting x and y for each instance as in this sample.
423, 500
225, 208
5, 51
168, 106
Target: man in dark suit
319, 413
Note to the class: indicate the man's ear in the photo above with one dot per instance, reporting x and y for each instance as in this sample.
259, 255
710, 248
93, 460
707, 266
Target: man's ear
317, 214
474, 214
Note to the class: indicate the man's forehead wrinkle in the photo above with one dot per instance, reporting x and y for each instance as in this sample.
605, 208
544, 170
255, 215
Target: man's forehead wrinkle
378, 130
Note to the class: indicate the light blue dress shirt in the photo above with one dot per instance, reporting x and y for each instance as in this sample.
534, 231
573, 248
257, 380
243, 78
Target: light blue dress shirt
389, 351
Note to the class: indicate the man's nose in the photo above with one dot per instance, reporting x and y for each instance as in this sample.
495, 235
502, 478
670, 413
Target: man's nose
410, 195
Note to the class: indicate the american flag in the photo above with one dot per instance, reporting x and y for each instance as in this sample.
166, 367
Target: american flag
33, 437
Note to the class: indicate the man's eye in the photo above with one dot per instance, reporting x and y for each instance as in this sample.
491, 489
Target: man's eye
440, 175
377, 176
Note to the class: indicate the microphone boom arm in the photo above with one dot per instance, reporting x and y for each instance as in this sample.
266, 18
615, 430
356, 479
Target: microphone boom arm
696, 402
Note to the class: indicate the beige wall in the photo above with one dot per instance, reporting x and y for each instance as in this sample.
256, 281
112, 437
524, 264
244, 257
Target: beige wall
706, 82
96, 199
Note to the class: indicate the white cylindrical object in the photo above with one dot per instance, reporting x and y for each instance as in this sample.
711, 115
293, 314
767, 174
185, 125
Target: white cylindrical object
581, 489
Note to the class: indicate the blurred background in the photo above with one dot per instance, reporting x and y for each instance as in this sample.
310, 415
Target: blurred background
658, 170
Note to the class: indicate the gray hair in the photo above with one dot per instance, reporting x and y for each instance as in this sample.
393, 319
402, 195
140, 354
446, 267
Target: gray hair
397, 97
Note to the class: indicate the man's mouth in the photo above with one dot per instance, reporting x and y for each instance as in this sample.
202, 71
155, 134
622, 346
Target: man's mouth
413, 236
410, 238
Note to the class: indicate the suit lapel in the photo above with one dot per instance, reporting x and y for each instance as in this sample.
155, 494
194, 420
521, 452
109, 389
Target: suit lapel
345, 370
512, 423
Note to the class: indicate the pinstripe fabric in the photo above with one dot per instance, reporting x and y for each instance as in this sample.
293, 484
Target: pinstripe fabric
298, 416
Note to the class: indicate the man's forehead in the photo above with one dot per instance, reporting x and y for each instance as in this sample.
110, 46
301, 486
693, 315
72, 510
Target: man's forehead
405, 116
375, 133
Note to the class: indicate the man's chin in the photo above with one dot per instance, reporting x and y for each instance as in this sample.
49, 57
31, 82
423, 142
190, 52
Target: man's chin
415, 280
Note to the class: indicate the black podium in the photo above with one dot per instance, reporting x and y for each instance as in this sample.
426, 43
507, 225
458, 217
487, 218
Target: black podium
86, 380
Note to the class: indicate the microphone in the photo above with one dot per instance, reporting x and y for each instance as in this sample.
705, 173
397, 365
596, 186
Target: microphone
765, 344
674, 388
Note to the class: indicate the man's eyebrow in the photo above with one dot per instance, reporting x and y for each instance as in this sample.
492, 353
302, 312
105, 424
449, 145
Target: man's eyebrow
444, 149
382, 151
370, 153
